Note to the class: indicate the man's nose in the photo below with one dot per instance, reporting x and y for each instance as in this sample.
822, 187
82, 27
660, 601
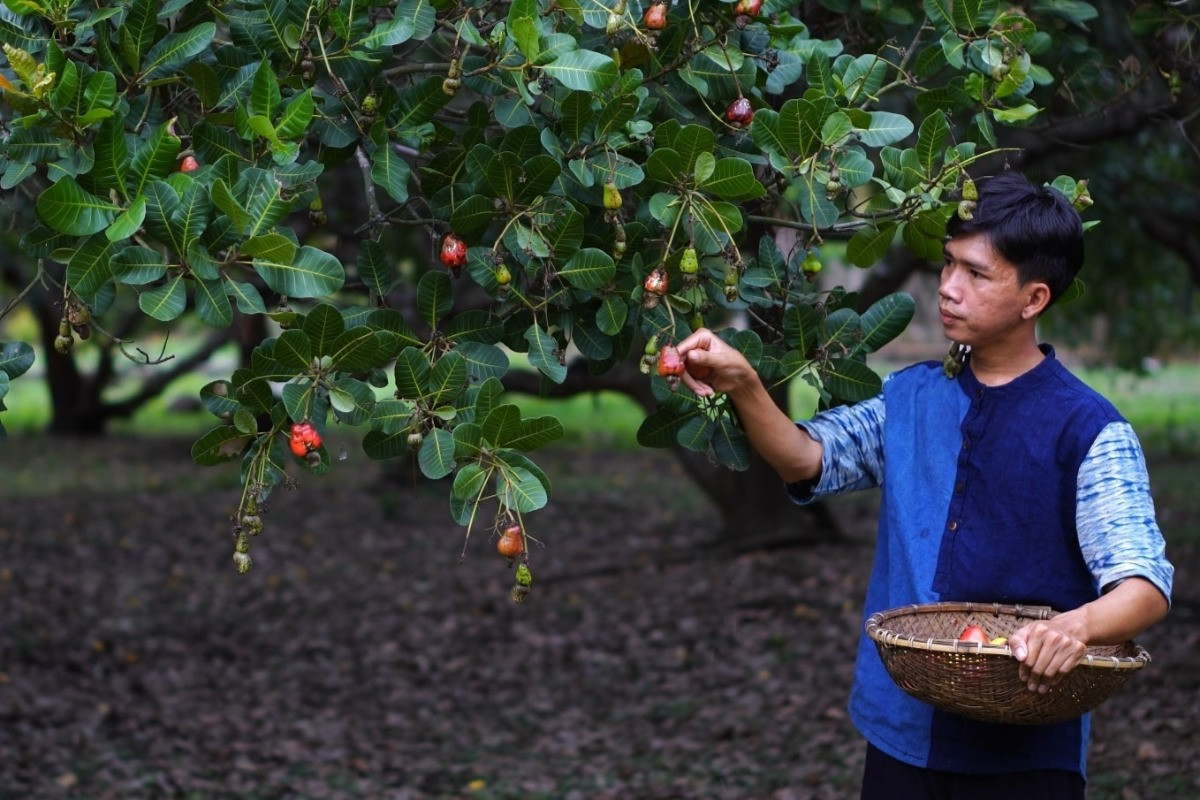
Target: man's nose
948, 285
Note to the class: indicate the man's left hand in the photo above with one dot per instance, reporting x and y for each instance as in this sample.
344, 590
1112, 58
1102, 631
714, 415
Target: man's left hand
1047, 650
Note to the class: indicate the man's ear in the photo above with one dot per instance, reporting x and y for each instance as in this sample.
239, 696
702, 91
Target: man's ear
1037, 298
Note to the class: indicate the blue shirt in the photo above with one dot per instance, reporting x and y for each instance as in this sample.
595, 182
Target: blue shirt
1031, 492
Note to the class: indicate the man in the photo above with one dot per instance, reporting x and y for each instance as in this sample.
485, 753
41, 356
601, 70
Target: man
1011, 482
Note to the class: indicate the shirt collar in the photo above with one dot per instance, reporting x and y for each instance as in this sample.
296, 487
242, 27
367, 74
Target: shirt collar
972, 387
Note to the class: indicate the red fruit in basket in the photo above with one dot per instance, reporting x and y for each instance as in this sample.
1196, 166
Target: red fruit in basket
973, 633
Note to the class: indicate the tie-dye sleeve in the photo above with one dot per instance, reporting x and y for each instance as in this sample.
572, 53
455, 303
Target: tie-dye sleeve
1114, 513
852, 458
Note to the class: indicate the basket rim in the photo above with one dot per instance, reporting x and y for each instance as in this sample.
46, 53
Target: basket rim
878, 631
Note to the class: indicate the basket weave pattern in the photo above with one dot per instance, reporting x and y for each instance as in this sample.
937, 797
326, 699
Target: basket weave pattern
920, 648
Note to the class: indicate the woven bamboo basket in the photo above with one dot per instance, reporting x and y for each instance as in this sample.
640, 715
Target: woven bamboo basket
920, 648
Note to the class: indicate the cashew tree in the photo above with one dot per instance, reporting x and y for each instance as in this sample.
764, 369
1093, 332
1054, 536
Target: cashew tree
422, 199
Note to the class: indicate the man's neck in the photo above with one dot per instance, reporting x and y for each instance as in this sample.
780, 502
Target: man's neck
996, 366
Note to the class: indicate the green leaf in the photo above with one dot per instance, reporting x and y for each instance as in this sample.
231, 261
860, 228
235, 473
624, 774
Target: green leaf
483, 360
583, 70
691, 141
411, 373
375, 269
222, 443
246, 296
91, 265
436, 457
665, 165
475, 325
137, 265
850, 380
262, 194
1021, 113
15, 358
473, 214
931, 139
128, 221
447, 378
154, 158
67, 208
522, 490
217, 399
166, 302
391, 172
730, 445
468, 439
501, 425
469, 482
733, 179
659, 428
610, 319
544, 355
224, 200
137, 31
886, 128
357, 349
695, 433
800, 123
435, 297
212, 304
589, 268
522, 25
869, 245
800, 326
293, 351
392, 416
176, 49
296, 117
323, 325
34, 144
379, 445
352, 400
264, 93
719, 218
313, 273
537, 432
270, 246
577, 115
388, 34
885, 320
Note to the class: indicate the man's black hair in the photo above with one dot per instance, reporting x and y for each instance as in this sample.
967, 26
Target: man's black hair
1034, 227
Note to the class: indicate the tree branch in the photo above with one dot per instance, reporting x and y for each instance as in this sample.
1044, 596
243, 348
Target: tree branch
152, 387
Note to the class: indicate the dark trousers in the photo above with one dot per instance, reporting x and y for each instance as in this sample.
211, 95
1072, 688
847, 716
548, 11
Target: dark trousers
885, 778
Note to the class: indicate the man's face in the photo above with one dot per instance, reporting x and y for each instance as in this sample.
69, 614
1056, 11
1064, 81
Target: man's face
979, 298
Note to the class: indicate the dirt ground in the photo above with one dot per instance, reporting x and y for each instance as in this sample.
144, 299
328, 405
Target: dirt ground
361, 659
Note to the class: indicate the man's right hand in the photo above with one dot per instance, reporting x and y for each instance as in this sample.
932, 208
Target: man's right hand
712, 366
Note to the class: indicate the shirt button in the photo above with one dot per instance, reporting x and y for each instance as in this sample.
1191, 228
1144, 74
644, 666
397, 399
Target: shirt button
954, 525
958, 487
